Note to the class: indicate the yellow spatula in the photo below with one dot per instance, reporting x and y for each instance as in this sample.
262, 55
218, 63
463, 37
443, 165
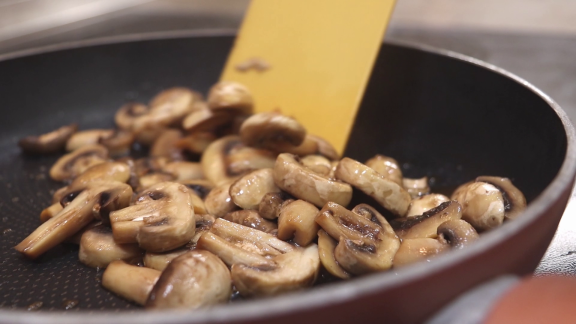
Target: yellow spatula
310, 58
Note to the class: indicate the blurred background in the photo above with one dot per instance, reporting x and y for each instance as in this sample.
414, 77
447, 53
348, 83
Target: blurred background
535, 39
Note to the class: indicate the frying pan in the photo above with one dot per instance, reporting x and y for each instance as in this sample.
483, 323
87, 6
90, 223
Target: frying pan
441, 114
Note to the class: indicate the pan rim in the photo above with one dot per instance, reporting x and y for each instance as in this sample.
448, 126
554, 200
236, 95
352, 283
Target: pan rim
340, 292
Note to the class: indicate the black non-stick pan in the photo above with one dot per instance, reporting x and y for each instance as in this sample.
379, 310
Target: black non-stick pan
440, 114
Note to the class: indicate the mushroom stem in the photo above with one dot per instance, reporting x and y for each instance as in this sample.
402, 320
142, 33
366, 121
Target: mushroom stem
131, 282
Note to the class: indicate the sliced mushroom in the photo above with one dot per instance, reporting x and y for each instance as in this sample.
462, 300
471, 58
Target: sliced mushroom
118, 143
107, 171
197, 142
386, 166
125, 116
324, 147
514, 200
207, 120
326, 247
422, 204
131, 282
251, 218
151, 179
269, 206
78, 161
184, 170
166, 145
98, 248
51, 142
308, 146
231, 96
227, 159
229, 252
167, 108
270, 129
218, 202
482, 204
303, 183
200, 187
160, 261
162, 219
367, 243
290, 271
426, 225
192, 280
87, 205
318, 164
297, 220
87, 137
247, 191
457, 233
387, 193
418, 249
50, 212
416, 187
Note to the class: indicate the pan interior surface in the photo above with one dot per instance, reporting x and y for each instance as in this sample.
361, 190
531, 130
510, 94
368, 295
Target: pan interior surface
439, 117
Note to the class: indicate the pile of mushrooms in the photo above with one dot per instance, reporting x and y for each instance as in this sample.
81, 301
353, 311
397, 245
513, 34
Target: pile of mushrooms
227, 201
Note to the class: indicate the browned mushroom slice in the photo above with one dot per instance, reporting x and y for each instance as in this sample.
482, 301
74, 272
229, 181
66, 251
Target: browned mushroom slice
251, 218
229, 252
160, 261
98, 248
426, 225
290, 271
197, 142
50, 212
227, 159
194, 279
107, 171
52, 142
297, 219
303, 183
131, 282
200, 187
247, 191
269, 206
166, 145
118, 143
168, 108
317, 163
218, 202
184, 170
207, 120
125, 116
482, 204
162, 219
418, 249
457, 233
422, 204
416, 187
230, 96
270, 129
514, 200
387, 193
326, 247
386, 166
308, 146
324, 147
80, 212
87, 137
78, 161
367, 243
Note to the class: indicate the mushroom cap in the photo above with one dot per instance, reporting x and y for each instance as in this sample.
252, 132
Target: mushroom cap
230, 95
386, 192
386, 166
129, 281
194, 279
317, 163
482, 204
162, 218
422, 204
514, 200
51, 142
98, 248
218, 202
458, 233
290, 271
326, 247
303, 183
426, 225
248, 190
76, 162
270, 129
87, 137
